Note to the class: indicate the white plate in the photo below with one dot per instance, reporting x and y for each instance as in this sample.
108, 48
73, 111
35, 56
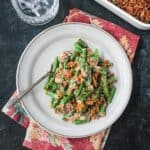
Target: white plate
37, 58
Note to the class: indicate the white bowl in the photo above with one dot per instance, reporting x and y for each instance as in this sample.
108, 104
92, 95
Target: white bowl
37, 58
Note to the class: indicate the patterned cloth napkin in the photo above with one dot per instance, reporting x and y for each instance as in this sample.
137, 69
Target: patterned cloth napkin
37, 138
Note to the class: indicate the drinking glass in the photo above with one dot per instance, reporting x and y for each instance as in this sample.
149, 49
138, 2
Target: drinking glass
36, 12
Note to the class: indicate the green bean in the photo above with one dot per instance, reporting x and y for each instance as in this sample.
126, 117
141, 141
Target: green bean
65, 116
84, 96
49, 76
104, 82
106, 91
103, 71
73, 71
89, 76
61, 65
82, 64
102, 109
95, 56
73, 56
88, 70
51, 82
53, 95
66, 99
98, 93
64, 65
84, 55
54, 86
82, 43
112, 93
46, 87
55, 65
78, 91
48, 80
72, 83
54, 103
111, 80
77, 122
78, 48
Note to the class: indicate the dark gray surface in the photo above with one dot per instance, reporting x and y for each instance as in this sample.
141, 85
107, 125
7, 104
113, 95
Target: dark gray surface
130, 132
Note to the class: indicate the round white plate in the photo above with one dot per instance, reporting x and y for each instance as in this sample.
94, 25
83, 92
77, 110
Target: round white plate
37, 58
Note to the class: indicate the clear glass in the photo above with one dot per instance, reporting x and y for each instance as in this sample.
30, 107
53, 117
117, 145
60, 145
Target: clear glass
36, 12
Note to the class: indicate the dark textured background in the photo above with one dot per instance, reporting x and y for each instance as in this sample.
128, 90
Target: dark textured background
130, 132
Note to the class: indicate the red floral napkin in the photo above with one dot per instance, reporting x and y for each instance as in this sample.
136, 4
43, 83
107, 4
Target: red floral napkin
37, 138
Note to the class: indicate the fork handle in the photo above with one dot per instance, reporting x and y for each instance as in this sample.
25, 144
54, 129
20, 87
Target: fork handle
26, 91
